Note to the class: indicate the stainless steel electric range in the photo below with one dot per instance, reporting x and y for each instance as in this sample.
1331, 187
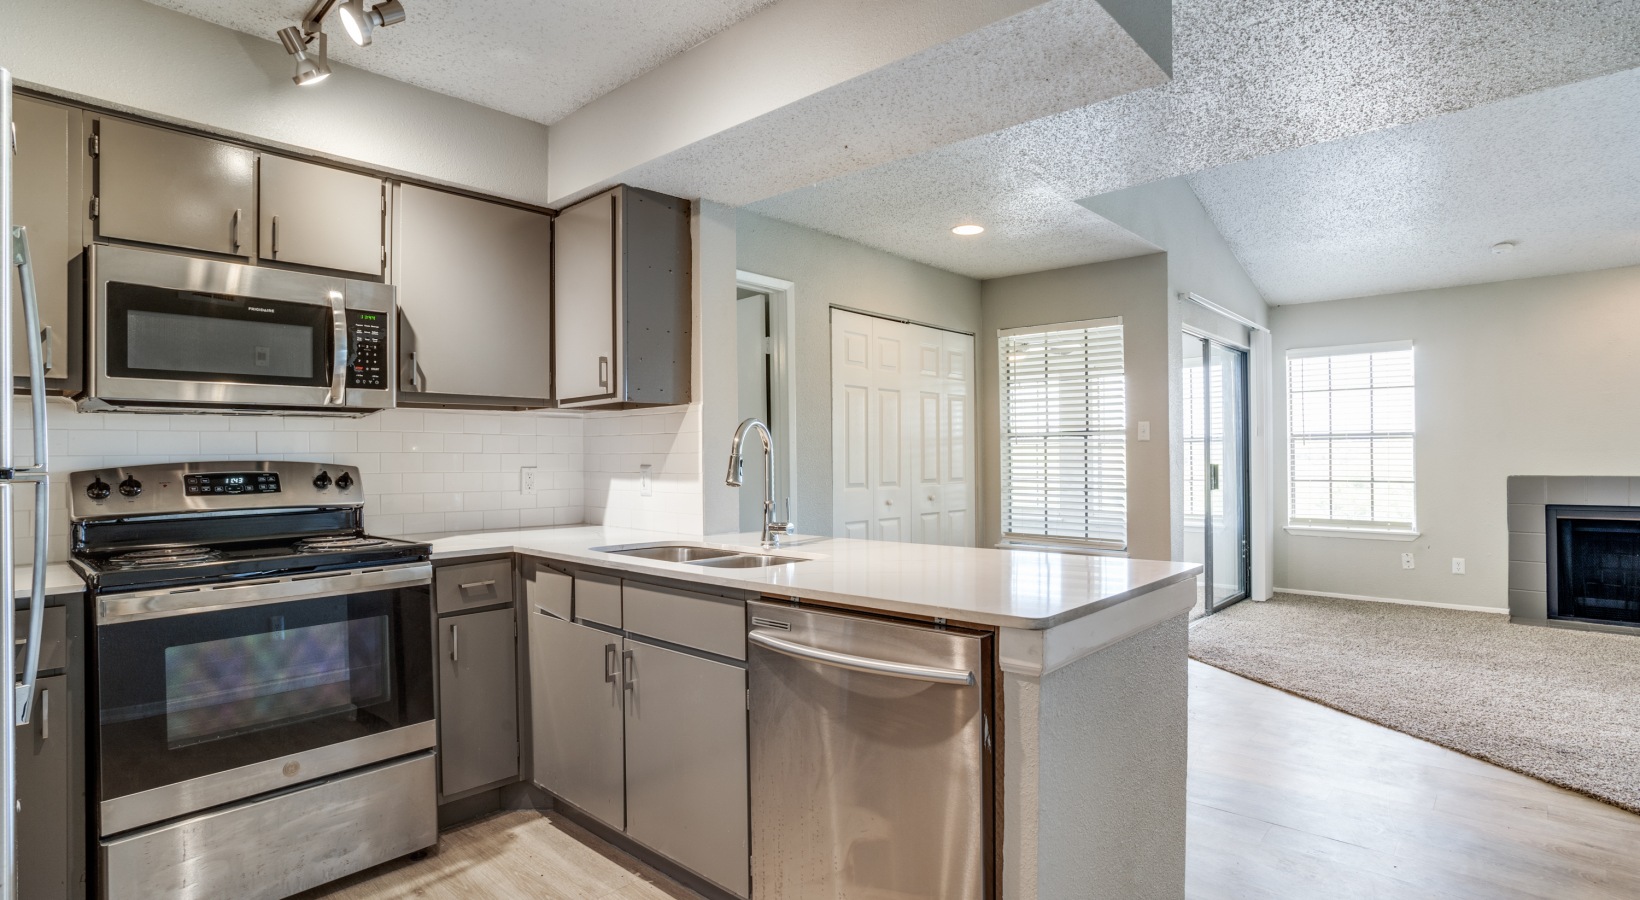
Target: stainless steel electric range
262, 679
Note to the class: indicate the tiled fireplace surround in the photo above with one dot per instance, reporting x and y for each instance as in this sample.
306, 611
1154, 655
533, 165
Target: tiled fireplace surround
1529, 495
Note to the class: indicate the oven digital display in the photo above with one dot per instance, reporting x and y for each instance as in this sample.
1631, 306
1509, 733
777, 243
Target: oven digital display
232, 483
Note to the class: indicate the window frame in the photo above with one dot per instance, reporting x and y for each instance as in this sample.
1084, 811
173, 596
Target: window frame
1345, 527
1052, 542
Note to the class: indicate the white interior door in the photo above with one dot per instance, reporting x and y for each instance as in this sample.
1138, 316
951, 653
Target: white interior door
902, 424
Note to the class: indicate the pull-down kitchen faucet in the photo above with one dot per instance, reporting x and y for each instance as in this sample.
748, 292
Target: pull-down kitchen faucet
772, 530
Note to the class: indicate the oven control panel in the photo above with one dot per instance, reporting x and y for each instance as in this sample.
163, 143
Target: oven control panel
231, 483
226, 485
367, 341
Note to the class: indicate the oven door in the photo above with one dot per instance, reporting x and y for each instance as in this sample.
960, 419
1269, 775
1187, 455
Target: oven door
208, 696
176, 331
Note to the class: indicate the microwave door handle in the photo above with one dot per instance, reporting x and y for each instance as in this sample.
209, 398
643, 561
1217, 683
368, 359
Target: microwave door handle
338, 341
36, 366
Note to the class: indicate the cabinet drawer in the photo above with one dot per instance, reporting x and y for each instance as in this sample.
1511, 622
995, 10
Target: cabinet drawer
473, 585
598, 599
547, 588
702, 621
53, 639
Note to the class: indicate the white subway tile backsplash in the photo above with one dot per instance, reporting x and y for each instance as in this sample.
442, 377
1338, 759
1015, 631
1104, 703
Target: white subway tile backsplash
422, 471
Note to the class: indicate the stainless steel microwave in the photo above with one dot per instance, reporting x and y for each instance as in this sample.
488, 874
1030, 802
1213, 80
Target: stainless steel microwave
173, 333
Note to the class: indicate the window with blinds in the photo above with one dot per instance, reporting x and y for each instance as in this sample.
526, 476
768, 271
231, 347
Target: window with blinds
1350, 438
1064, 433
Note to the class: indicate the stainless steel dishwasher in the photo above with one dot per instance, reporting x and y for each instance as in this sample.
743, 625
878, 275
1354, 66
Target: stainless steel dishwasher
870, 758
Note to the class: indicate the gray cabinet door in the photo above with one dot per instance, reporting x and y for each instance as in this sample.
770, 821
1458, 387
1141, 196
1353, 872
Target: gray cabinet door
478, 700
312, 215
43, 794
546, 587
584, 300
177, 190
576, 716
475, 317
47, 201
686, 780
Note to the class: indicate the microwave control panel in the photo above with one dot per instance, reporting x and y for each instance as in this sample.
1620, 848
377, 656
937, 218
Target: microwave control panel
367, 339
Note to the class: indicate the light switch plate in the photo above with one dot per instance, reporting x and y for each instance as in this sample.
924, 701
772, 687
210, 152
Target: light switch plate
646, 481
1144, 431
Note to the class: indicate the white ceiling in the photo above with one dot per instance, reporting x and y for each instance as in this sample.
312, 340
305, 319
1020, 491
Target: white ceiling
1420, 206
538, 59
1249, 80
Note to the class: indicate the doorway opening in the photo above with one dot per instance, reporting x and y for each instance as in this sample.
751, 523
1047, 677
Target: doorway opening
1214, 437
765, 340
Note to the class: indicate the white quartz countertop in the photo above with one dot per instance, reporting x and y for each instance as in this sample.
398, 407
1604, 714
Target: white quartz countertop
60, 579
1006, 588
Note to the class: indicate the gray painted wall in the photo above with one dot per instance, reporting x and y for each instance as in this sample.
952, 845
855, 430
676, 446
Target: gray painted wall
1528, 377
138, 57
831, 271
1136, 290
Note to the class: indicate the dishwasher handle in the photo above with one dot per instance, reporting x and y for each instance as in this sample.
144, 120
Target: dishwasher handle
860, 663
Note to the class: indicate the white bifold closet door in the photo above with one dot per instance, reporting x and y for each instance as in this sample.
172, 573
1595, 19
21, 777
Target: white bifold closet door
902, 431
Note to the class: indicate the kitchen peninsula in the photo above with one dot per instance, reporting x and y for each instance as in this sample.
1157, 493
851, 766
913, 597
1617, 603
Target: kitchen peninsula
1088, 677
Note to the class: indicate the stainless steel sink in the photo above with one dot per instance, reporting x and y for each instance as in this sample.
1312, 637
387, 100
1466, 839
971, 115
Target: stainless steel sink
748, 561
678, 553
704, 556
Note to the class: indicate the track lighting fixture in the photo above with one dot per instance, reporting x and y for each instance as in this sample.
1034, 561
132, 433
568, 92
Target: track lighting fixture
310, 69
357, 21
360, 22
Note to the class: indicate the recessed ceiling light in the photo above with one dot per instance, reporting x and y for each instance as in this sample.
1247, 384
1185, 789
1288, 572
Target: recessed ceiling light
968, 229
1503, 247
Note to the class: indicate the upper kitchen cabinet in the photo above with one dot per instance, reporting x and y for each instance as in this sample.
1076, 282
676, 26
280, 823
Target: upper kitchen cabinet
49, 187
621, 300
313, 215
164, 187
475, 315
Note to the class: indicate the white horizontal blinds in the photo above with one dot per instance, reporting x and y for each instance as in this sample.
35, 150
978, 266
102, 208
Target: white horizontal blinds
1064, 433
1350, 433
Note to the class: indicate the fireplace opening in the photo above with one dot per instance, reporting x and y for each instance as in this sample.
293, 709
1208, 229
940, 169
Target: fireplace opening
1594, 564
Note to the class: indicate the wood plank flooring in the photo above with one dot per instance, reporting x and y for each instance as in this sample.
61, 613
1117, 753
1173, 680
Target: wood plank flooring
1288, 800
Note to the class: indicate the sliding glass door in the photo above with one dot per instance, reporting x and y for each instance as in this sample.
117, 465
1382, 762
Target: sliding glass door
1214, 438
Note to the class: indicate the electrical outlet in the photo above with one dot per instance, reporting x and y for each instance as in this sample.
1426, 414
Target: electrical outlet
646, 481
1457, 565
1407, 561
526, 480
1144, 431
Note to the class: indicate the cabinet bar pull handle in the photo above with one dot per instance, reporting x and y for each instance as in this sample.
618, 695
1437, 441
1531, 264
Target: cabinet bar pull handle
478, 584
236, 230
275, 237
455, 644
611, 670
50, 354
45, 715
415, 373
603, 371
629, 670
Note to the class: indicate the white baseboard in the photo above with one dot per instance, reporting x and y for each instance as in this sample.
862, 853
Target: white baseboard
1504, 610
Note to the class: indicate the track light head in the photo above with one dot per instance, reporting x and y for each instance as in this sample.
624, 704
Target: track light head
359, 22
310, 68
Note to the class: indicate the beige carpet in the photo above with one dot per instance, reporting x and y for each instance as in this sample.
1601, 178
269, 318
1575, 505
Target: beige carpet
1556, 704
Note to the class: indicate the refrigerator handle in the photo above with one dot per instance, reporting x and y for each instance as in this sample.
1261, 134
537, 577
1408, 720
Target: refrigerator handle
36, 596
36, 363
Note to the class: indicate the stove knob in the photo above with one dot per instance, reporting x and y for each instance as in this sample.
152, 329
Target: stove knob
130, 487
344, 481
98, 489
321, 480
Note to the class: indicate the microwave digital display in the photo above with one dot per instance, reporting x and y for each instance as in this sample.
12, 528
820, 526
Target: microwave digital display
232, 483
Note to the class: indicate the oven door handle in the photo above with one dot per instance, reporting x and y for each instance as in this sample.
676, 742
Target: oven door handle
338, 343
138, 605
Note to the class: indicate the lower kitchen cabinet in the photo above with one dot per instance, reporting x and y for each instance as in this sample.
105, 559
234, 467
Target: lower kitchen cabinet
43, 795
576, 715
686, 778
478, 700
